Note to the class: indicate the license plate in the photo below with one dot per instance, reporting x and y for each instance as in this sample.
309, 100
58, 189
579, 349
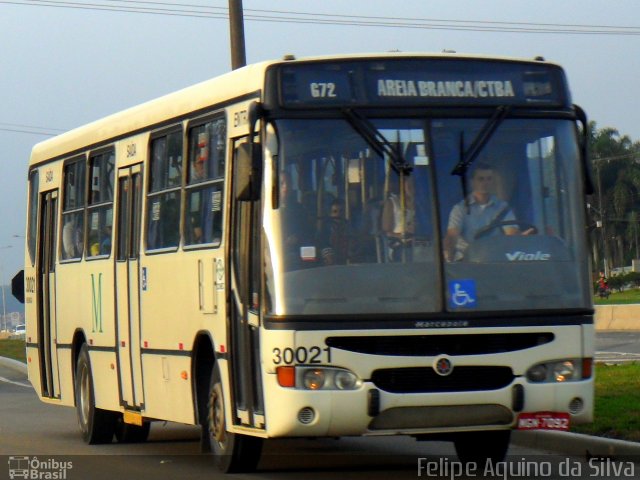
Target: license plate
543, 421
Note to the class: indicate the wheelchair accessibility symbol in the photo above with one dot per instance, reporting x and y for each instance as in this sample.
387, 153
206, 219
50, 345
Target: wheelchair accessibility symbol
462, 294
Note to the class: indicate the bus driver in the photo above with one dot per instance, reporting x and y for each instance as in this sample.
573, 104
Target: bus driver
481, 208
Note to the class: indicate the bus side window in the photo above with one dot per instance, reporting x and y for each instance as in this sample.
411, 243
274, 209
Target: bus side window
163, 198
100, 208
73, 210
205, 183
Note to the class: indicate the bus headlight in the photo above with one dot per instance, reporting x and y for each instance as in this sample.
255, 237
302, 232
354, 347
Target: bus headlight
537, 373
313, 379
345, 380
564, 371
318, 378
559, 371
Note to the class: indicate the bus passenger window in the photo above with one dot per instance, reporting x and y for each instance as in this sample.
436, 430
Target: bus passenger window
163, 199
205, 183
73, 210
100, 209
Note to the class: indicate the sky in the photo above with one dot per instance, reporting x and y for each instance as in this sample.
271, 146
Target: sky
63, 67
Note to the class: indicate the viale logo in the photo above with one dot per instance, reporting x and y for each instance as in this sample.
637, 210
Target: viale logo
528, 257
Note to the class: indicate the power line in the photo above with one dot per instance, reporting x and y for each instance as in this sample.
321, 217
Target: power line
284, 16
30, 129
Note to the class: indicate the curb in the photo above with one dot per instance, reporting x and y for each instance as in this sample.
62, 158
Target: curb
576, 444
14, 365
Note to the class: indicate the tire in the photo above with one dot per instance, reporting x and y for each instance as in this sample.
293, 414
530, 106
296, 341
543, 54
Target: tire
233, 452
128, 433
479, 447
96, 425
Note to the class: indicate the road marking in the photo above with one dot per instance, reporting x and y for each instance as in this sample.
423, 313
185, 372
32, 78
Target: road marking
618, 357
6, 380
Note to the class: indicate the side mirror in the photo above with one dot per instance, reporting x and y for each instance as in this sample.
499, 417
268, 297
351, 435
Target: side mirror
247, 173
17, 286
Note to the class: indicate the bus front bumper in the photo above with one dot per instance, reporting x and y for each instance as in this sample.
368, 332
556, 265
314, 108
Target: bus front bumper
368, 410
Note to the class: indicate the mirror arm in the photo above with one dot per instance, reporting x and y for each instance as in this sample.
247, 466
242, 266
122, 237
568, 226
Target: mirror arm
581, 117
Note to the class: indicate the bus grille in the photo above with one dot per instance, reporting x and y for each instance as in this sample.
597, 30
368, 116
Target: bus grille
433, 345
426, 380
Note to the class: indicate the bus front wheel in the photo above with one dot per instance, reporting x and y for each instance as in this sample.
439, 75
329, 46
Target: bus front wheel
233, 452
97, 425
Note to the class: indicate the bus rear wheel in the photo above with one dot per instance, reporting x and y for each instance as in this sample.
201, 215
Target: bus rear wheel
97, 425
479, 447
233, 452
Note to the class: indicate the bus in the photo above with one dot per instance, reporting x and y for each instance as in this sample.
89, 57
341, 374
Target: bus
268, 254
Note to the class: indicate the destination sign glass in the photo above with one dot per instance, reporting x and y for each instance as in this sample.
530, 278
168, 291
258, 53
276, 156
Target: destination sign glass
422, 82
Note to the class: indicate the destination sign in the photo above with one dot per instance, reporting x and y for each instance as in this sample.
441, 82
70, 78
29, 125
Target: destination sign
421, 82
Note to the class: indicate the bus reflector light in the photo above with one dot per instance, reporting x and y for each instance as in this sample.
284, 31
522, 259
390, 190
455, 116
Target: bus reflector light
286, 376
587, 368
184, 375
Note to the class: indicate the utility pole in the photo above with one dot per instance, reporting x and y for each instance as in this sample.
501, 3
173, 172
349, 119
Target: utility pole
602, 226
236, 29
4, 300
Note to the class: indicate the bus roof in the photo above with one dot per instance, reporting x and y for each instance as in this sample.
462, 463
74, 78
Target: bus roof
244, 82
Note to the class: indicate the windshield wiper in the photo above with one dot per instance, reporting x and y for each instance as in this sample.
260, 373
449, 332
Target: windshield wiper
377, 141
467, 157
484, 135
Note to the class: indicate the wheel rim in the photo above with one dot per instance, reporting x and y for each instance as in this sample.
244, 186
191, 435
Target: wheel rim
85, 399
216, 417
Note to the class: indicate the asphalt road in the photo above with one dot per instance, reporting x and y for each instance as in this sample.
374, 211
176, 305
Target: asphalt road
617, 347
30, 428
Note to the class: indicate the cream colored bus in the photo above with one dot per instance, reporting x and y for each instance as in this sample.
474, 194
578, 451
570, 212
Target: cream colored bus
359, 245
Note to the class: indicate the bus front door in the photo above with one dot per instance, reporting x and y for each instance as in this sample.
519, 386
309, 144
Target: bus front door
128, 286
244, 313
46, 294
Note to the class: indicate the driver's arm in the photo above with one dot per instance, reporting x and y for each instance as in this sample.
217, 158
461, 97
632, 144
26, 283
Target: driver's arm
449, 243
513, 229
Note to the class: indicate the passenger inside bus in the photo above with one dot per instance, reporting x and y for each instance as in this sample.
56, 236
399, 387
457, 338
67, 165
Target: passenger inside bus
337, 240
296, 225
398, 219
71, 237
482, 208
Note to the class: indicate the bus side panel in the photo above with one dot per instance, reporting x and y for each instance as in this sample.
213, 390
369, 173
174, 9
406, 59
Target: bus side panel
169, 323
167, 388
86, 303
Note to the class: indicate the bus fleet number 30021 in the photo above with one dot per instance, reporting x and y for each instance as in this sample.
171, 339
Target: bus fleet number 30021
301, 355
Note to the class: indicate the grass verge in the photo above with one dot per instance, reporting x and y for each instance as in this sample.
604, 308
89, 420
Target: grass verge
617, 403
626, 297
13, 348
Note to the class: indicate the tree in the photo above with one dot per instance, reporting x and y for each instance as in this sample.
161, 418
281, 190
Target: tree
616, 167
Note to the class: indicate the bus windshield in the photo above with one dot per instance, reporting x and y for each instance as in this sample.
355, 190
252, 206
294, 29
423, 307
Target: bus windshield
350, 233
